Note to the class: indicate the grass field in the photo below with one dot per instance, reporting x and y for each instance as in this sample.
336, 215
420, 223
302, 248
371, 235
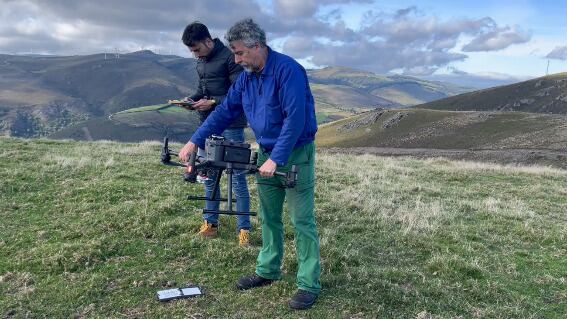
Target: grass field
93, 230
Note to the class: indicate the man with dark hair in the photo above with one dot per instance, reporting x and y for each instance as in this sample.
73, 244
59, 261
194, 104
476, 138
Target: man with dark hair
217, 71
274, 94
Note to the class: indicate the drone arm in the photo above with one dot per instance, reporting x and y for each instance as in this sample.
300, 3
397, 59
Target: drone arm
175, 164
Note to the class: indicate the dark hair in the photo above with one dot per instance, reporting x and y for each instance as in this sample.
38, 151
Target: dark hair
194, 33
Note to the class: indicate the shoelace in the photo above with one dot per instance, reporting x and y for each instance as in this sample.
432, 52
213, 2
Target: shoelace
205, 227
244, 237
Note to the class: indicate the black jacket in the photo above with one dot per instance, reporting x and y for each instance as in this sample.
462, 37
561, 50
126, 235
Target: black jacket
216, 75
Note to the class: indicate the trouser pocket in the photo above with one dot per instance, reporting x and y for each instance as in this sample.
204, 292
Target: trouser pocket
303, 157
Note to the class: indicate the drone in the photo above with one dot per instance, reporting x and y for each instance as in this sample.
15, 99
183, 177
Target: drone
222, 155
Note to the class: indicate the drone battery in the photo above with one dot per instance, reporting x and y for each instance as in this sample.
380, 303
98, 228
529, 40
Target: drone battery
227, 151
236, 154
178, 293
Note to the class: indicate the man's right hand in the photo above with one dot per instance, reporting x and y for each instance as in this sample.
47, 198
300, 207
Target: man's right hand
186, 151
203, 105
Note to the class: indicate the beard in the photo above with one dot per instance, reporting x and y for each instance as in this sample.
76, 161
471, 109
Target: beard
249, 68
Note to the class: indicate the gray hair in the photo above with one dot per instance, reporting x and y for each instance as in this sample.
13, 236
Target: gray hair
247, 31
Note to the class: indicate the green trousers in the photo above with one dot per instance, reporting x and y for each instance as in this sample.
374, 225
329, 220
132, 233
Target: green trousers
301, 204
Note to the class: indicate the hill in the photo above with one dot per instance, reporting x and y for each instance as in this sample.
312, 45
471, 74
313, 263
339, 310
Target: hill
360, 89
135, 125
547, 94
41, 95
419, 129
102, 226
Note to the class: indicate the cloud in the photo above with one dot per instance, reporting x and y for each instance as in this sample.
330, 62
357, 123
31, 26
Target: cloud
411, 26
145, 15
476, 80
83, 27
296, 8
378, 56
559, 53
406, 40
497, 39
305, 8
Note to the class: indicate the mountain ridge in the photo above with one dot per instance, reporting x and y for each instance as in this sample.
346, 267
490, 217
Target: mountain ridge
547, 94
40, 95
441, 129
68, 90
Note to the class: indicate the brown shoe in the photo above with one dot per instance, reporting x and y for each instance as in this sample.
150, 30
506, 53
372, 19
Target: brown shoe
208, 230
244, 238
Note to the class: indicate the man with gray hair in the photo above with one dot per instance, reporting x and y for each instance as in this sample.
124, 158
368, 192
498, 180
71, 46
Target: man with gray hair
275, 96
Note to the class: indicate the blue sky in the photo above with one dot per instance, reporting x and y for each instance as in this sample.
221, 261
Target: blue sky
459, 41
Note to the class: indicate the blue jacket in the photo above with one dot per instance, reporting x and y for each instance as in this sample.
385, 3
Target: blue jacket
278, 104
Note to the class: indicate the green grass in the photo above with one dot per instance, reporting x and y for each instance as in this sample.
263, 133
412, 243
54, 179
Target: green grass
322, 117
93, 230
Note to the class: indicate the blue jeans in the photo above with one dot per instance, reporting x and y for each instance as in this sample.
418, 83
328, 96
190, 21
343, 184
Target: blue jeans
239, 187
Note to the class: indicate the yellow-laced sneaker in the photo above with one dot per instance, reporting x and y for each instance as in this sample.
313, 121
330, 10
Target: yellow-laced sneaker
244, 238
208, 230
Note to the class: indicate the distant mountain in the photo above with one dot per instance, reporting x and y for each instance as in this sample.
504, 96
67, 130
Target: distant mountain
355, 88
134, 125
547, 94
477, 81
41, 95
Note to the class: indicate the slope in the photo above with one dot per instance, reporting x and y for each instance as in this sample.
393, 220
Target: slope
547, 94
418, 128
135, 125
40, 95
382, 91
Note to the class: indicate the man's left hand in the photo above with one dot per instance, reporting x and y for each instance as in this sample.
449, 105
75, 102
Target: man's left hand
203, 105
268, 168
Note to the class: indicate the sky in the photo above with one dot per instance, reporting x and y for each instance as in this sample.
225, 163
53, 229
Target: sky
464, 42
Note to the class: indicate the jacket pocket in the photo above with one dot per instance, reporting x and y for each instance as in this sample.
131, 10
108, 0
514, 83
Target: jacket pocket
274, 112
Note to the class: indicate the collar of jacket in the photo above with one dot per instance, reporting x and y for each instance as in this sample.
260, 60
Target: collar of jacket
268, 67
270, 63
218, 46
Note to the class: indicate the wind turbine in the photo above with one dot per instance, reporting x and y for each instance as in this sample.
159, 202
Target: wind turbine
547, 71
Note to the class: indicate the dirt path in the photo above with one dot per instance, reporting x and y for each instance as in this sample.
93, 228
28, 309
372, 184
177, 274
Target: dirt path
553, 158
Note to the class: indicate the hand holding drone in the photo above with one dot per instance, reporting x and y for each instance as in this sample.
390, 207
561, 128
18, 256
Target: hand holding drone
222, 155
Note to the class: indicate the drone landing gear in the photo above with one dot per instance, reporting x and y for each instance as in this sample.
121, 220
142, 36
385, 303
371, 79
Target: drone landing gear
222, 156
229, 200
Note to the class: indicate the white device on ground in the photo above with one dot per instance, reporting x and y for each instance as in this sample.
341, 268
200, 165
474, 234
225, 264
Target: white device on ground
179, 293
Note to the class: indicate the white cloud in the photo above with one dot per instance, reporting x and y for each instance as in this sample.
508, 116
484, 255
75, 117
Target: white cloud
408, 39
29, 26
497, 39
68, 31
478, 80
559, 53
